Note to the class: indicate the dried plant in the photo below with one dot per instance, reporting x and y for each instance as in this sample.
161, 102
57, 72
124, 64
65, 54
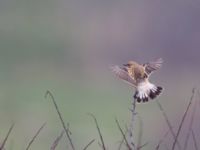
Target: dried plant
124, 136
99, 132
127, 135
190, 125
90, 143
35, 136
183, 119
6, 138
61, 119
55, 143
168, 123
194, 140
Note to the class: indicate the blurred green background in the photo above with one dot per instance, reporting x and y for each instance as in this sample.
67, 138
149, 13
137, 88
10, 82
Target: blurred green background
67, 46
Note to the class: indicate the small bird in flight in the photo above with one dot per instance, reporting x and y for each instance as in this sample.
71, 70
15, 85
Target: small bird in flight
137, 75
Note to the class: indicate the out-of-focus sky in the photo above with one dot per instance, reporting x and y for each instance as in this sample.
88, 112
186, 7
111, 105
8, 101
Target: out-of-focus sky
67, 46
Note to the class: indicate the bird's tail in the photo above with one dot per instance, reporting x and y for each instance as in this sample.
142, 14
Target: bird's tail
146, 90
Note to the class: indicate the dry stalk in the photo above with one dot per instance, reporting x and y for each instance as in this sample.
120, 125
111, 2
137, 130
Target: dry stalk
168, 123
35, 136
194, 140
131, 127
55, 143
183, 119
99, 132
190, 125
122, 141
6, 138
90, 143
142, 146
161, 140
61, 119
124, 136
139, 146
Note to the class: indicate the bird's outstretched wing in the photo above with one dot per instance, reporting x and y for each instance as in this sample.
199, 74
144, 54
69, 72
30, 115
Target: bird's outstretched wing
152, 66
123, 74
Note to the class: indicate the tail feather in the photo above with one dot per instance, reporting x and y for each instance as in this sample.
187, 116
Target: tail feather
154, 93
142, 98
146, 91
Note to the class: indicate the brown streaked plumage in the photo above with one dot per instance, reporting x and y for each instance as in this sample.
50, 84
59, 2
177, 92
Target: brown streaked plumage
135, 70
138, 76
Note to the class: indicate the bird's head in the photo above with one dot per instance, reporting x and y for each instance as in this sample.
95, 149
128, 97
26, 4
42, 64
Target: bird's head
130, 64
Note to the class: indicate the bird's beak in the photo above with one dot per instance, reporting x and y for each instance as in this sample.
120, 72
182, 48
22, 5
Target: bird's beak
126, 65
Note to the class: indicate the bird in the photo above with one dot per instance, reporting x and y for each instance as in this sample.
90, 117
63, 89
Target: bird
137, 75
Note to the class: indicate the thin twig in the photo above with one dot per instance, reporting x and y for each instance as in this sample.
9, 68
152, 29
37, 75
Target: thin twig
6, 138
195, 141
61, 119
120, 144
158, 146
88, 144
140, 133
99, 132
198, 92
55, 143
35, 136
168, 123
183, 119
124, 136
143, 145
190, 125
131, 127
161, 140
122, 141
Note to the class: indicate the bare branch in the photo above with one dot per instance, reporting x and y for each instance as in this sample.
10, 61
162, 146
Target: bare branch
6, 138
124, 136
98, 129
122, 141
131, 127
35, 136
194, 140
161, 140
90, 143
190, 125
198, 92
140, 133
140, 147
55, 143
61, 119
168, 123
183, 119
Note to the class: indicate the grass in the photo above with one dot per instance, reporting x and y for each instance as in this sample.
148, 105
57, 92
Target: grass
125, 134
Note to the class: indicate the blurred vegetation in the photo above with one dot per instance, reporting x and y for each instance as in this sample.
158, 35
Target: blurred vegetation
67, 46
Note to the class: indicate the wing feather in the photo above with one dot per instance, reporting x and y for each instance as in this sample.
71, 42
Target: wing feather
152, 66
122, 74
